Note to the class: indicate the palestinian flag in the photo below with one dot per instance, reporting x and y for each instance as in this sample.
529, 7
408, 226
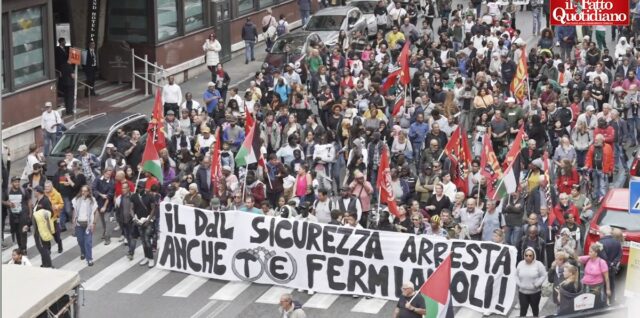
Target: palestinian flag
151, 160
397, 106
509, 182
250, 150
436, 293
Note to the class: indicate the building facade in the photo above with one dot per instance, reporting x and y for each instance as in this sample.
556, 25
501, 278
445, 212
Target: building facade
169, 32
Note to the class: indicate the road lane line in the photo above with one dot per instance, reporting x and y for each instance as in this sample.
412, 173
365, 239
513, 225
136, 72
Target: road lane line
230, 291
111, 272
146, 280
272, 296
369, 306
187, 286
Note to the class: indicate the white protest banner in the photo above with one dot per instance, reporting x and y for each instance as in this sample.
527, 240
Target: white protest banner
240, 246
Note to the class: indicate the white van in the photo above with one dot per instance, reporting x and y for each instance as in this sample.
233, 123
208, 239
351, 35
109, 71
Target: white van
30, 292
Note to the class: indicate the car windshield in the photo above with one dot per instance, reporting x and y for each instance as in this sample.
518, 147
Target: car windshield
325, 23
366, 7
71, 142
620, 219
288, 45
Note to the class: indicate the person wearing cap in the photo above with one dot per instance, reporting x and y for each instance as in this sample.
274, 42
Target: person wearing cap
17, 201
204, 141
566, 243
171, 96
171, 124
211, 98
49, 123
588, 118
291, 76
90, 163
233, 134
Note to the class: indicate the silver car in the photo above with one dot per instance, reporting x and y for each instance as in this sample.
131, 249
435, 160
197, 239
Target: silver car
328, 23
367, 7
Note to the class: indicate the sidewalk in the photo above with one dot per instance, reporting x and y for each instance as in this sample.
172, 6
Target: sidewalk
239, 72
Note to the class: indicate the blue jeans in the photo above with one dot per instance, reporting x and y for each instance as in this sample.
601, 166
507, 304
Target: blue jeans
513, 235
304, 16
129, 234
600, 183
633, 126
50, 140
537, 13
248, 50
619, 156
85, 241
66, 212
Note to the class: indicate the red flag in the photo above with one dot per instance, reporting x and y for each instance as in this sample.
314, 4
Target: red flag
390, 80
403, 61
216, 166
489, 166
156, 125
518, 84
398, 105
248, 121
384, 183
514, 150
458, 151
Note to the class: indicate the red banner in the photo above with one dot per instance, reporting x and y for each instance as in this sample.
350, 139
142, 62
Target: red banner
589, 12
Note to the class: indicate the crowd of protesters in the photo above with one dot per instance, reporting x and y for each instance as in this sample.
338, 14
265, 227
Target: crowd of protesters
322, 141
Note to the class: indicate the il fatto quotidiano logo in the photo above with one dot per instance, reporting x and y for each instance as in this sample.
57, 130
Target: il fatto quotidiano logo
589, 12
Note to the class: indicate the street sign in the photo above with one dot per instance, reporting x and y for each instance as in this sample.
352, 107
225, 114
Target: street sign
634, 196
75, 54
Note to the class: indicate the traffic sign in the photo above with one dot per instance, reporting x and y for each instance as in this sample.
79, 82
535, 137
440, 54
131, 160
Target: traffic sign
74, 56
634, 196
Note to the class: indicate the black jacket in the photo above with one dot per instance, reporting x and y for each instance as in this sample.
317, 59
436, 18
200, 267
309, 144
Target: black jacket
201, 179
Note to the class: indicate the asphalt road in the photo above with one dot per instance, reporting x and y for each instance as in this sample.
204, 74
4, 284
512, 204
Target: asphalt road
116, 287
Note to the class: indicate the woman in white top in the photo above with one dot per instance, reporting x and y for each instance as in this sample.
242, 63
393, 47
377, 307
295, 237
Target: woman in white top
212, 48
449, 188
18, 259
401, 145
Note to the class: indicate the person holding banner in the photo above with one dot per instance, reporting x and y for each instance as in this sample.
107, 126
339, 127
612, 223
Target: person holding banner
410, 306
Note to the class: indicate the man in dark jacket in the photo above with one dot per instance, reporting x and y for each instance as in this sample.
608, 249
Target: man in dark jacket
611, 253
103, 189
203, 180
250, 36
507, 69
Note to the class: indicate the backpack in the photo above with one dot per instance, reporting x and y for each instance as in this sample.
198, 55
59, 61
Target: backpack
281, 29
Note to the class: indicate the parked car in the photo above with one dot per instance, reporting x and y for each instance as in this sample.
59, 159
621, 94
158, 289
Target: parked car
614, 211
291, 48
95, 132
328, 23
367, 7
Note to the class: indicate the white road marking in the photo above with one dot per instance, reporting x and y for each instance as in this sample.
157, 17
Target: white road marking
321, 301
99, 251
272, 296
369, 306
111, 272
145, 281
187, 286
230, 291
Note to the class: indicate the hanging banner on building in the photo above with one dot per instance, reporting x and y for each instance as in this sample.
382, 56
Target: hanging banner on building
589, 12
93, 13
240, 246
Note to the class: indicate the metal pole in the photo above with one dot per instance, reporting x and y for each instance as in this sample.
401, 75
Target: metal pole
1, 125
75, 94
133, 69
146, 75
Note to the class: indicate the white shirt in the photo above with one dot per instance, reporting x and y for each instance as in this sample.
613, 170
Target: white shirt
172, 94
49, 121
84, 209
194, 105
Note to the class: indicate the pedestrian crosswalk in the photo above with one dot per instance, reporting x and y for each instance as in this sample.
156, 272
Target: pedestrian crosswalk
115, 273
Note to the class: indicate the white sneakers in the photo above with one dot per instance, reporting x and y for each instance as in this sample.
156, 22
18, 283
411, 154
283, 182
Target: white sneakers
151, 263
144, 261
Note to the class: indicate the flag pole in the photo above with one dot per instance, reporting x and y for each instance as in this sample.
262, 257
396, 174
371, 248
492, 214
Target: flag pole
244, 187
135, 188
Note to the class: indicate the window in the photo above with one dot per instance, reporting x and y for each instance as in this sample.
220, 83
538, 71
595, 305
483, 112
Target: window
27, 46
265, 3
167, 19
193, 15
128, 21
245, 6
